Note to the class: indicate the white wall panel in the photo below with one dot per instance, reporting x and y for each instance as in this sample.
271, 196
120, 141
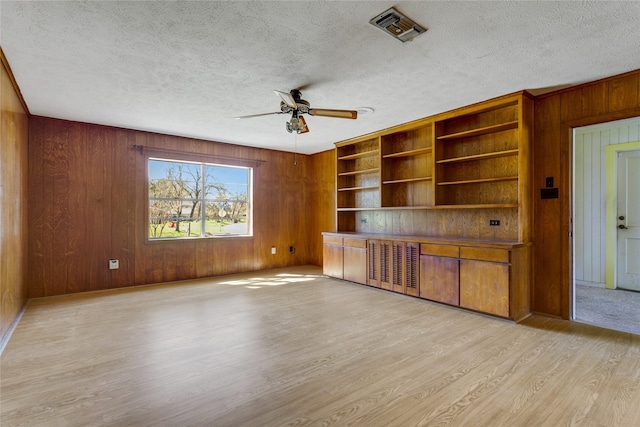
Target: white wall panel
590, 194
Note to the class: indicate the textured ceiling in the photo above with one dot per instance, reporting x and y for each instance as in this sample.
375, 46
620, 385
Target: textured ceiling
187, 68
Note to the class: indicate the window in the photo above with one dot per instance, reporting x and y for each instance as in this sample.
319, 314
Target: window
195, 200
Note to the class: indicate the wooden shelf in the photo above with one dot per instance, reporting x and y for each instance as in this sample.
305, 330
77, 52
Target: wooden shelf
358, 172
403, 208
407, 208
399, 181
479, 181
357, 209
480, 131
478, 206
359, 155
372, 187
484, 156
408, 153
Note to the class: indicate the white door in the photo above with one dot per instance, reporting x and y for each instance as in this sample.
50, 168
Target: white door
628, 220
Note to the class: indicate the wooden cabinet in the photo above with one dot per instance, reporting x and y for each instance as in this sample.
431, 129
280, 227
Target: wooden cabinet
394, 266
380, 268
484, 286
484, 280
355, 260
489, 277
439, 273
496, 281
345, 258
333, 257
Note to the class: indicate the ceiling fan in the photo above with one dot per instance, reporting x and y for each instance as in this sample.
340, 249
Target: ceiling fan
293, 103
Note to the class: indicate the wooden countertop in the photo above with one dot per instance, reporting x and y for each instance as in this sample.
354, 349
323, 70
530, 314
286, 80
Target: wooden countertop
501, 244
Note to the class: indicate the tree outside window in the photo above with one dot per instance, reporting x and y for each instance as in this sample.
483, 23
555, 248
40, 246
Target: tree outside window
194, 200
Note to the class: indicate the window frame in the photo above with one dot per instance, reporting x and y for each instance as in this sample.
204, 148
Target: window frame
203, 161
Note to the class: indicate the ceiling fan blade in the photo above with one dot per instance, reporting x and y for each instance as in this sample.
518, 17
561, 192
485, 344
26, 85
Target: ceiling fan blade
303, 124
304, 86
340, 114
257, 115
287, 98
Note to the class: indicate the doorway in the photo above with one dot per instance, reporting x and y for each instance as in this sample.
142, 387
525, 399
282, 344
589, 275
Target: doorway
606, 261
627, 260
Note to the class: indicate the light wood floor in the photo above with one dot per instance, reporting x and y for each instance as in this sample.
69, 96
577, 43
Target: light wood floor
290, 348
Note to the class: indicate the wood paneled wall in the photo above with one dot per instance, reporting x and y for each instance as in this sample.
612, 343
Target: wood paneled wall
13, 200
556, 114
87, 205
322, 202
462, 223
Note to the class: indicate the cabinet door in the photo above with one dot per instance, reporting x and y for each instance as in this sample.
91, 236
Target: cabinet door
385, 265
439, 279
412, 270
332, 263
484, 286
355, 264
373, 266
398, 267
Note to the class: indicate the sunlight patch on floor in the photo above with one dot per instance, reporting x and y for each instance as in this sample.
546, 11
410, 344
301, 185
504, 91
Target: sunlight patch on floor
278, 280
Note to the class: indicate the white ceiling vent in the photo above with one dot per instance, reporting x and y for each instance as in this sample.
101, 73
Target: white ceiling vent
398, 25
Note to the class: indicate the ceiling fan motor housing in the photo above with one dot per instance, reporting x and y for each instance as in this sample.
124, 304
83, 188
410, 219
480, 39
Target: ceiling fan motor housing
302, 106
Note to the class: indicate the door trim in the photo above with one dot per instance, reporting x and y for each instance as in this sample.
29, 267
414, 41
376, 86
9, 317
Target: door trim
611, 215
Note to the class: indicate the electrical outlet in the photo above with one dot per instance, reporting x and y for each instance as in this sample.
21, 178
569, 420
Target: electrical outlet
114, 264
273, 250
494, 222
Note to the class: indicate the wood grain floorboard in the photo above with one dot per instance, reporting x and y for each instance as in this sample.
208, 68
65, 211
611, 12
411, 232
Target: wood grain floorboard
289, 347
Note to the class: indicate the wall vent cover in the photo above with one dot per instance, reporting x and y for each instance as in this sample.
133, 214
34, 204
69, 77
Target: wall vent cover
396, 24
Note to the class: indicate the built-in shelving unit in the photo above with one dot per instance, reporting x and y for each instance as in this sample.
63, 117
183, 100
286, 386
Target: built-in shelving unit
358, 179
407, 167
445, 204
476, 157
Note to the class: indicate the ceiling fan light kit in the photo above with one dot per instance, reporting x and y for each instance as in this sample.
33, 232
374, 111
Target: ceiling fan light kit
397, 25
293, 103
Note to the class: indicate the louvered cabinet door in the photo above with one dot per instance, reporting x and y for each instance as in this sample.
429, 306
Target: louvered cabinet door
412, 269
385, 265
373, 266
398, 266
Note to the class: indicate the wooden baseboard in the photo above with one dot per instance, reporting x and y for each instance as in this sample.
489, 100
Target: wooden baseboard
5, 339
